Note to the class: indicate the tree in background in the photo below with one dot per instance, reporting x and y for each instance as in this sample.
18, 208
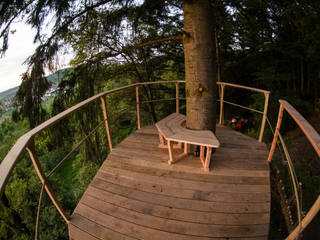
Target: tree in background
1, 105
131, 24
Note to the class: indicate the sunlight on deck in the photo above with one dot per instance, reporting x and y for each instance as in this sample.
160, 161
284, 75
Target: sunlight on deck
137, 195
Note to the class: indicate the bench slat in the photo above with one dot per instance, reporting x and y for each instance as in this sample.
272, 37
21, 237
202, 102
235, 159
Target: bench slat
168, 125
209, 139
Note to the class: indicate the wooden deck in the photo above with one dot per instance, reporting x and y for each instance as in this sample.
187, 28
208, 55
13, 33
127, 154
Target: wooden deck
137, 195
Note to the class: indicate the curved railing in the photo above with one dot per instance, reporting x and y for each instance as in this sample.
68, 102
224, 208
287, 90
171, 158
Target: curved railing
314, 138
26, 142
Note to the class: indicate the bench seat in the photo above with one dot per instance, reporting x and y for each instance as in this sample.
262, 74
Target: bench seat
171, 129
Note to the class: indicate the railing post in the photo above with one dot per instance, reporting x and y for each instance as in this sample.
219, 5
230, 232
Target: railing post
105, 116
177, 97
138, 106
276, 134
221, 103
264, 118
31, 150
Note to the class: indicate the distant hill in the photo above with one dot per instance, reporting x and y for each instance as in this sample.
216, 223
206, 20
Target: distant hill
53, 78
56, 77
8, 93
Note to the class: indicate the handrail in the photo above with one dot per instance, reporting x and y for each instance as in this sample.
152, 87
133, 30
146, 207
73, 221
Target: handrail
243, 87
26, 142
11, 159
314, 138
312, 135
266, 102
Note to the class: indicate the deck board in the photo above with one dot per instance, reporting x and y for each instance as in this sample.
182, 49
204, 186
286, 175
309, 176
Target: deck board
137, 195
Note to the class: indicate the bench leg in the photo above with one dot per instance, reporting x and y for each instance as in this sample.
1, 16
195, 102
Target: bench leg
186, 148
162, 141
170, 149
202, 155
208, 158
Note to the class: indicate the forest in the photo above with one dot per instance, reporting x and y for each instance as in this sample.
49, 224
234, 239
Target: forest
271, 45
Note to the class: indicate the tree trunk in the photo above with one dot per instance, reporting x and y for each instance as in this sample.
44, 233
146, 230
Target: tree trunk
217, 54
301, 76
200, 68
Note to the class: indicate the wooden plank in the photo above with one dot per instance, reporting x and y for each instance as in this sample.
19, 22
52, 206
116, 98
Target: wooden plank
183, 172
240, 165
183, 193
170, 212
185, 184
243, 146
82, 228
144, 160
258, 158
102, 211
180, 203
127, 228
138, 149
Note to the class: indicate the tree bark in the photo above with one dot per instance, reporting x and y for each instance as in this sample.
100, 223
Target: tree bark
200, 67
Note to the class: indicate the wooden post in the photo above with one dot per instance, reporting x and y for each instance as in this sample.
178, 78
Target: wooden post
177, 98
31, 150
264, 118
138, 107
221, 104
202, 155
105, 116
208, 158
186, 148
276, 134
170, 149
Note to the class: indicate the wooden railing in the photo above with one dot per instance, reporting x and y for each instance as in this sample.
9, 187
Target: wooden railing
222, 86
314, 139
27, 142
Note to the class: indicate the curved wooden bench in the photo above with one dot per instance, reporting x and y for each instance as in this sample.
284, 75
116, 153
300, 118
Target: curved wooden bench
171, 129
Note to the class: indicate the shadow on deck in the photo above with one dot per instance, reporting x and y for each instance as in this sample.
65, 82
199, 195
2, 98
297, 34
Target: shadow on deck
137, 195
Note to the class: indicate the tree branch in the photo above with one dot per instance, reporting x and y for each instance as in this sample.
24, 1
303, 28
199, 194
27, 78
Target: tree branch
129, 48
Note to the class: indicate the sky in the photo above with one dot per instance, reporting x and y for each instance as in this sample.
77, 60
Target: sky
20, 47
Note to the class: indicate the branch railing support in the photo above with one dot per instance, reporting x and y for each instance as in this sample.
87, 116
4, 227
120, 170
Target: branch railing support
138, 107
105, 116
264, 118
276, 134
221, 104
31, 150
177, 98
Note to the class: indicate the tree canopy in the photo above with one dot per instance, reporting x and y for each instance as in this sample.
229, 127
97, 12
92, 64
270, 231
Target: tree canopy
267, 44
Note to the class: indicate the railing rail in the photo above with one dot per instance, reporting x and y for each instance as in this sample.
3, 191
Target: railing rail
266, 93
314, 139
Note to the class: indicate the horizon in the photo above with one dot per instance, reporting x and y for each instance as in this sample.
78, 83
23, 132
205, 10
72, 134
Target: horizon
21, 46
